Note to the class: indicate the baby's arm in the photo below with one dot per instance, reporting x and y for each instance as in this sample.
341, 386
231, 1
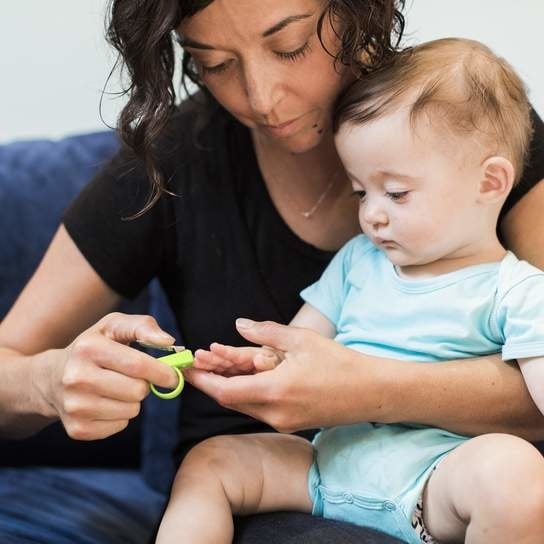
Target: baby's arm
532, 369
520, 317
230, 361
309, 317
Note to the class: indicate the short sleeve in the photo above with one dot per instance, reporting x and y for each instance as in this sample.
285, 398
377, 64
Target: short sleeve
520, 317
327, 295
126, 253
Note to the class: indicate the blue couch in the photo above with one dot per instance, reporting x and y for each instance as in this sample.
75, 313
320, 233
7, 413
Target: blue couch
38, 179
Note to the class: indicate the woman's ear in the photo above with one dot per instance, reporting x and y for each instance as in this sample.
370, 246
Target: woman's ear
497, 179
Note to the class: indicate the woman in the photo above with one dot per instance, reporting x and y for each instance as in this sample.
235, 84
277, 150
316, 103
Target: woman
254, 206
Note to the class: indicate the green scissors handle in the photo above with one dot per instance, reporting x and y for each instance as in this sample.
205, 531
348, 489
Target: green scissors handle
181, 359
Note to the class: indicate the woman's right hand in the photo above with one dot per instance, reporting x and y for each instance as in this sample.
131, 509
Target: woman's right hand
97, 383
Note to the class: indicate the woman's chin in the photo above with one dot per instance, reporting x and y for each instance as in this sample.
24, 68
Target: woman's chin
300, 143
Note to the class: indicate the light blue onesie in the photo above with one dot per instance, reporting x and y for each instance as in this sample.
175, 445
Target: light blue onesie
373, 474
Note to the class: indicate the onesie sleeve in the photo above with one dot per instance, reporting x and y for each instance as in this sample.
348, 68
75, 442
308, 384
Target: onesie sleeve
520, 315
125, 252
327, 295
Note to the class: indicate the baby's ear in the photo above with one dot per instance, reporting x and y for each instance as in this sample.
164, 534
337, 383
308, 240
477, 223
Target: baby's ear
497, 179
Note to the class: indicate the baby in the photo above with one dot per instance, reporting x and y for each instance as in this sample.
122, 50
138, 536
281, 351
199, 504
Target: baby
432, 143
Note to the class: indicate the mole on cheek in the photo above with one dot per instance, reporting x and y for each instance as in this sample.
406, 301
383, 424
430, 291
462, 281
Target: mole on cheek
320, 131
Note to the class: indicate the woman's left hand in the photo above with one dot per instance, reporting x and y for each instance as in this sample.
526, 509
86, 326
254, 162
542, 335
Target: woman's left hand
319, 383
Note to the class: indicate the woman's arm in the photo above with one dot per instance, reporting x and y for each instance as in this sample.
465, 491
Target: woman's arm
472, 396
50, 369
523, 227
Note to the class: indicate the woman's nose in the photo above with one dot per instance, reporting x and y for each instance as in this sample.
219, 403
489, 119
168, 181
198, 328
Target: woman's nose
263, 88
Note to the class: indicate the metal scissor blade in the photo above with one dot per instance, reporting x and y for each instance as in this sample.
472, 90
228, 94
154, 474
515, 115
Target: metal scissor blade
170, 349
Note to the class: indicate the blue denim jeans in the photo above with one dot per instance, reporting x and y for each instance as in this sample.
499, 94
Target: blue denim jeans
82, 505
108, 506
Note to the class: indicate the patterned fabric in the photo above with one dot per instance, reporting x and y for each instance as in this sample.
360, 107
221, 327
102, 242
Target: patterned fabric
418, 523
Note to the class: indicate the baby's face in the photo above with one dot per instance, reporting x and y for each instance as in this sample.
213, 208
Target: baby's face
418, 189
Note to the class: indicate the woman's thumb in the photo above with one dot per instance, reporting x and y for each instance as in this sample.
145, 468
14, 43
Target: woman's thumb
267, 333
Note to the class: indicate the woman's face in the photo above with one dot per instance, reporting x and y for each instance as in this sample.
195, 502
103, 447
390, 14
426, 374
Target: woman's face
264, 63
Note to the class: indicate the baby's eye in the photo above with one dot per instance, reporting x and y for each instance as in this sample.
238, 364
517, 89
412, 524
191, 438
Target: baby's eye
359, 194
398, 196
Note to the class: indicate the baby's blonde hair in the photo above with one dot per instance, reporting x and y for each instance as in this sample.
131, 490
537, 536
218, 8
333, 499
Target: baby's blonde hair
457, 82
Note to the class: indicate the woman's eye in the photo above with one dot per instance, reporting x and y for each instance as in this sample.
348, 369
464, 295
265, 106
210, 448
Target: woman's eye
286, 55
216, 69
296, 54
359, 194
397, 196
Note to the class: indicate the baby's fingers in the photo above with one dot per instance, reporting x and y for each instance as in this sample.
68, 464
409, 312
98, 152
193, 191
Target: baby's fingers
205, 360
240, 357
265, 361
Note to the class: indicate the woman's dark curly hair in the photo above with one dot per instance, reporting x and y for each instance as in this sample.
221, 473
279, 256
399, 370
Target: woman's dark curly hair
142, 32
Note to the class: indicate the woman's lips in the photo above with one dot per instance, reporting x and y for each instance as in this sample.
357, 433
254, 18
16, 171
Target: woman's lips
283, 129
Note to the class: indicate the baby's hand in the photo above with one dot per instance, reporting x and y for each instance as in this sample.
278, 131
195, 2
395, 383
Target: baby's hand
232, 361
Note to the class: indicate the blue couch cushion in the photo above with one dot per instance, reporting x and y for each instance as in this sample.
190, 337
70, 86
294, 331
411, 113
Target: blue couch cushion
38, 179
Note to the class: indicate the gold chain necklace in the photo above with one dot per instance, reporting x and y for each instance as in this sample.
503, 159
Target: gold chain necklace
308, 214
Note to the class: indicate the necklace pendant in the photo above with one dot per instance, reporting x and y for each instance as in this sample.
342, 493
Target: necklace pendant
309, 213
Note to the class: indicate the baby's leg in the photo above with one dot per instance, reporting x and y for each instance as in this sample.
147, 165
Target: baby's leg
490, 489
228, 475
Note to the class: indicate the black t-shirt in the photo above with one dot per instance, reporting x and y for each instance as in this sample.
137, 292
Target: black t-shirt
219, 247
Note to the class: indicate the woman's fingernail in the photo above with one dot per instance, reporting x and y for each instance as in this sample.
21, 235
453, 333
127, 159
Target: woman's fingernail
243, 323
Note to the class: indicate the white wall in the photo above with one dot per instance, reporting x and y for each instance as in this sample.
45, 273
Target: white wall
54, 62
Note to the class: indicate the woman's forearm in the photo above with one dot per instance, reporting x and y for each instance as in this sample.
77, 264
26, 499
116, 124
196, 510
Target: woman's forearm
470, 396
321, 383
23, 410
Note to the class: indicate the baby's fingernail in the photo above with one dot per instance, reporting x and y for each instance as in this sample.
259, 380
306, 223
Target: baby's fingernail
243, 323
